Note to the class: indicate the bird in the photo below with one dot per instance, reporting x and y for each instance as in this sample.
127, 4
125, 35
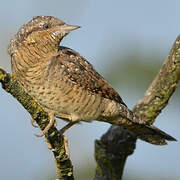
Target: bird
66, 85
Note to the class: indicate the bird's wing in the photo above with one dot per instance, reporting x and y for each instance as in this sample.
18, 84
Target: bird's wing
82, 73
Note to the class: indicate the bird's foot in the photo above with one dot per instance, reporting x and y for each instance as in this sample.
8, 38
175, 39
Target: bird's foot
67, 126
66, 146
49, 145
33, 123
52, 122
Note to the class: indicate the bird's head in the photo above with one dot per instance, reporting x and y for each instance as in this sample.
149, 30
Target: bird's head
42, 33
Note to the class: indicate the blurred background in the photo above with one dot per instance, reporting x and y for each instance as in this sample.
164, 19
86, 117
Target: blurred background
127, 42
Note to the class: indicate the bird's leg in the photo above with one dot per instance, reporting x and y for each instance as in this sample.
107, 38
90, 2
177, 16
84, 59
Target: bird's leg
67, 126
49, 144
55, 122
35, 126
52, 121
32, 122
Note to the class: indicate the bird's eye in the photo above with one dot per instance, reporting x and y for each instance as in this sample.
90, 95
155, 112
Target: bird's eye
46, 26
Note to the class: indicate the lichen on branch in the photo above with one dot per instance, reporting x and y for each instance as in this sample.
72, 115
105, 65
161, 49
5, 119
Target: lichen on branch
112, 160
56, 140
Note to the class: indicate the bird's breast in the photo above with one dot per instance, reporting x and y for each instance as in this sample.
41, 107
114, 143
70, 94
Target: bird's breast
67, 100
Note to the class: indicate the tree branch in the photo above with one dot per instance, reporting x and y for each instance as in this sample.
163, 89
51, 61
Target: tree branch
57, 141
113, 148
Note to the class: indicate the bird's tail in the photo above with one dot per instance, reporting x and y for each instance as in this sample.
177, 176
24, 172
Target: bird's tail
141, 129
150, 134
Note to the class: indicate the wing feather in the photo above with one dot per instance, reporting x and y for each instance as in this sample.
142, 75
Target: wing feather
81, 72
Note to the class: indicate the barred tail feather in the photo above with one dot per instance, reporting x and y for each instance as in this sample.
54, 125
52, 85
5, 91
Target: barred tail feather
148, 133
143, 131
154, 135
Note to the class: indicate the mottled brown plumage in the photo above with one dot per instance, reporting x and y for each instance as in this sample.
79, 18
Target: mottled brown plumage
65, 84
82, 73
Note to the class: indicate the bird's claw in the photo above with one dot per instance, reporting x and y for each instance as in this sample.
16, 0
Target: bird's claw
32, 122
40, 135
52, 122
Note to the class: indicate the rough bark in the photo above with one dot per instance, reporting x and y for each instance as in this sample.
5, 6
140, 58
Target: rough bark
113, 148
56, 140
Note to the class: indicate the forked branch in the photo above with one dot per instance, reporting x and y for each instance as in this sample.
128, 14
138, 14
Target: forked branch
113, 148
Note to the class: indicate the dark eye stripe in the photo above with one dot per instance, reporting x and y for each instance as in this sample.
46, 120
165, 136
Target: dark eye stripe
25, 35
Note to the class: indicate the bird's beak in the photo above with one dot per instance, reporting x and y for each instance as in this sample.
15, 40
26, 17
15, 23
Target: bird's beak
62, 30
68, 28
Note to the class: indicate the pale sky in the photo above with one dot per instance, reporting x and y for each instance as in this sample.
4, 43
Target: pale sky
107, 26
